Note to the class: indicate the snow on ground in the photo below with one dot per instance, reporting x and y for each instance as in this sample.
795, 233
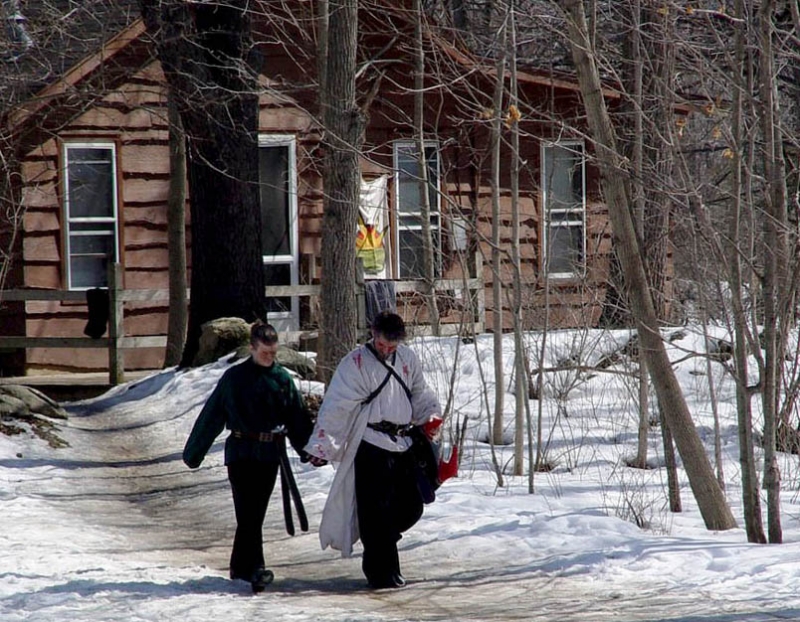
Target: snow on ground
115, 527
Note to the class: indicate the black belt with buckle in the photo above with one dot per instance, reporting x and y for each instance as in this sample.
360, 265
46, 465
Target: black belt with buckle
393, 430
261, 437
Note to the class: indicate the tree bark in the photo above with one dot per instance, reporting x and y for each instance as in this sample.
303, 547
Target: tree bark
429, 260
176, 239
710, 499
497, 280
775, 263
203, 50
671, 465
636, 149
751, 498
521, 405
344, 129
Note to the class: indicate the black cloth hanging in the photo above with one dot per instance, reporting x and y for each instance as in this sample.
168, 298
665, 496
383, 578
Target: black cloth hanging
380, 296
97, 300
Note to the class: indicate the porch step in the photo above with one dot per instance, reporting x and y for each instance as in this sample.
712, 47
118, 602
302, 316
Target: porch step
70, 387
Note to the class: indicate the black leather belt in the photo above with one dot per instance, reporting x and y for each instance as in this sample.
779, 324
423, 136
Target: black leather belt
393, 430
261, 437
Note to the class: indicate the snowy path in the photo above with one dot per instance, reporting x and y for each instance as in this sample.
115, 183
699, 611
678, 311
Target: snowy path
116, 528
162, 545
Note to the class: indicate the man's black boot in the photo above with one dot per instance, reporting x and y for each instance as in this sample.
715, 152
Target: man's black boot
261, 578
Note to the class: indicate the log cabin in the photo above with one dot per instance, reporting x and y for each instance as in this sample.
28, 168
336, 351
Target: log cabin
94, 178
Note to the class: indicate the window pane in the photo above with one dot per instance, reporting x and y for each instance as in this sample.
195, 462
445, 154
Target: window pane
409, 195
278, 274
89, 155
564, 193
565, 248
88, 271
273, 165
564, 175
409, 207
102, 245
566, 216
412, 222
411, 256
90, 180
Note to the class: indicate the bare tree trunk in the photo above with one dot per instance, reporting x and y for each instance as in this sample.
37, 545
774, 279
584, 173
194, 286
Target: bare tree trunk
323, 17
344, 135
712, 395
671, 465
497, 282
12, 211
731, 247
540, 455
735, 250
649, 149
775, 263
710, 499
637, 58
520, 369
658, 157
176, 239
424, 187
204, 52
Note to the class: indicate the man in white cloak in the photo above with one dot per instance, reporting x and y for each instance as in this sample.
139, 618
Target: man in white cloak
376, 394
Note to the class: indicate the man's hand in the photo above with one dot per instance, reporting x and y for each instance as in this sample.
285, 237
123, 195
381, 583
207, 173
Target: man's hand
317, 462
431, 427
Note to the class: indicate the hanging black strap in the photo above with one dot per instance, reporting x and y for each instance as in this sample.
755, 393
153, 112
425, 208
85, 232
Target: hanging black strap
287, 501
290, 492
391, 372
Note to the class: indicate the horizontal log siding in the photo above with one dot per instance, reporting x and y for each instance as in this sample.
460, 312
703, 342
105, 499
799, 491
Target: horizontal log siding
135, 118
572, 302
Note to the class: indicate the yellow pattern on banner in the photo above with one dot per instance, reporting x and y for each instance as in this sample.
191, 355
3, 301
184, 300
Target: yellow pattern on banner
372, 225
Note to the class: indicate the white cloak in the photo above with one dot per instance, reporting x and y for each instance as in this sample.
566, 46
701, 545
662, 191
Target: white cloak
342, 425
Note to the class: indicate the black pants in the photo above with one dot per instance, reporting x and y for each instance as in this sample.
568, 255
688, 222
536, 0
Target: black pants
388, 503
252, 483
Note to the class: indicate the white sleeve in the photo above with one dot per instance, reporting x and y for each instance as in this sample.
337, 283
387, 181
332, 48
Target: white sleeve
339, 411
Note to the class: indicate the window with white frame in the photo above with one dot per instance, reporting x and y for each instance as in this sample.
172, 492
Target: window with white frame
408, 207
277, 170
90, 205
564, 196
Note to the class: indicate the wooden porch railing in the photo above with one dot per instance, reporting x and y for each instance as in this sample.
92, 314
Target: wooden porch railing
116, 340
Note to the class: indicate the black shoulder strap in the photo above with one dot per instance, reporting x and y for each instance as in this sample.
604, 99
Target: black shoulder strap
375, 393
391, 371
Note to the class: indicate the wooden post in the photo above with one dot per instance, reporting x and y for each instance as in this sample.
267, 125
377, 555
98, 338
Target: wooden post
361, 300
480, 308
116, 358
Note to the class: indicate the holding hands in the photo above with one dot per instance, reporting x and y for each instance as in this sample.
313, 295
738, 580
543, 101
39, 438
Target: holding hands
317, 462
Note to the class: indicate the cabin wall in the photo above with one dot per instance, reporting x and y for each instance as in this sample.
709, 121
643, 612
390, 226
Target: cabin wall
557, 302
12, 314
134, 117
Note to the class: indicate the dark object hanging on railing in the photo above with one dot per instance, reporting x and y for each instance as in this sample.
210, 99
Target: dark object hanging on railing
97, 300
